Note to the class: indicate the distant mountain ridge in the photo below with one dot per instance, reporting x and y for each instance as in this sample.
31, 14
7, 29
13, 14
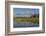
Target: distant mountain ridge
25, 15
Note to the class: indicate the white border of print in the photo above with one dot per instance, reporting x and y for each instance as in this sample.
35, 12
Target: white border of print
28, 28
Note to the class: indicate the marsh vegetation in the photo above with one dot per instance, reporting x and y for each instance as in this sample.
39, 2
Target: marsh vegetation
34, 19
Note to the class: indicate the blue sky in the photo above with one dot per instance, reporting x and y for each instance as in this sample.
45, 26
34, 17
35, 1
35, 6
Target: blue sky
24, 11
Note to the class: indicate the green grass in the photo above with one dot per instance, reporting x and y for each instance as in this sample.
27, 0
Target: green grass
33, 19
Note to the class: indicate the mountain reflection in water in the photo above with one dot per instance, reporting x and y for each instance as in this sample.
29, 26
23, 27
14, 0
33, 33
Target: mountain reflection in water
24, 24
